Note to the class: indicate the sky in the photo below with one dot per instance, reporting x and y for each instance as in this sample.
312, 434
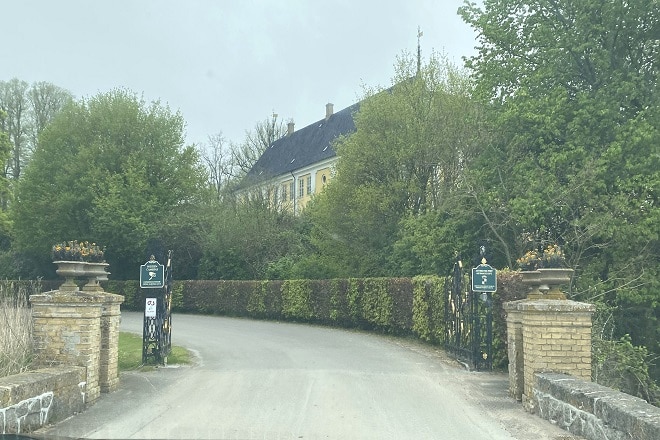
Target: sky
226, 64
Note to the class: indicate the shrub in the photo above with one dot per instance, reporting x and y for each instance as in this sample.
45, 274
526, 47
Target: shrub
377, 303
296, 302
624, 367
428, 308
509, 288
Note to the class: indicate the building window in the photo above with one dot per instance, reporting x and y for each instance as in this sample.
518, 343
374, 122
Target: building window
292, 190
283, 198
309, 185
301, 187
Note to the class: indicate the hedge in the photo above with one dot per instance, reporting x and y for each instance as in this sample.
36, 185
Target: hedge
401, 306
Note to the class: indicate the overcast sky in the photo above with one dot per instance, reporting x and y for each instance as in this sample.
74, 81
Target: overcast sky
225, 64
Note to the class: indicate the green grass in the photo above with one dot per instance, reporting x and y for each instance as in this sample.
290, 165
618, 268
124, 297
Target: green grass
130, 353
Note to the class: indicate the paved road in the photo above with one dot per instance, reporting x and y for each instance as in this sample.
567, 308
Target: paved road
267, 380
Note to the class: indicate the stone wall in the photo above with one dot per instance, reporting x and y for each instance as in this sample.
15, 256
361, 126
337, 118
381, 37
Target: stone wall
31, 400
593, 411
76, 348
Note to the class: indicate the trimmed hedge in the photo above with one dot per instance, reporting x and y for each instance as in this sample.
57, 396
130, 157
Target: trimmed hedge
372, 303
401, 306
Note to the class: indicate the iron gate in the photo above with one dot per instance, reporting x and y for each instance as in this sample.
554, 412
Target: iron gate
468, 320
157, 330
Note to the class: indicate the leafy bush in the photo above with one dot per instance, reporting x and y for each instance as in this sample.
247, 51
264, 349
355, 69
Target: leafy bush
296, 300
509, 288
377, 303
624, 367
428, 308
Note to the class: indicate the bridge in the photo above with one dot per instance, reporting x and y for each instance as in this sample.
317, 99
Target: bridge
269, 380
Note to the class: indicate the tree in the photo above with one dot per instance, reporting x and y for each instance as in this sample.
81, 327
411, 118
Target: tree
404, 162
246, 154
5, 151
573, 89
14, 102
45, 101
218, 161
248, 240
28, 108
111, 169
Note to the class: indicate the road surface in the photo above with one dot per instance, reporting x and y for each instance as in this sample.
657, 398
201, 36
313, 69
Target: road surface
270, 380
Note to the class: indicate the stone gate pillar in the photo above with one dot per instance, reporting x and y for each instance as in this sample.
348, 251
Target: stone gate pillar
514, 332
67, 331
556, 337
109, 353
79, 328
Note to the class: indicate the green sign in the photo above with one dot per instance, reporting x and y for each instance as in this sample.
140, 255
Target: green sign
152, 275
484, 279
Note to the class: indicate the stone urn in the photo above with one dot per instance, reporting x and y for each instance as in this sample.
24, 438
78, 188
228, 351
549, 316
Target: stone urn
532, 278
94, 272
70, 270
545, 283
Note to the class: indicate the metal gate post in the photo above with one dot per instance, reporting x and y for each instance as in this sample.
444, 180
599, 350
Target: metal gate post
157, 324
468, 320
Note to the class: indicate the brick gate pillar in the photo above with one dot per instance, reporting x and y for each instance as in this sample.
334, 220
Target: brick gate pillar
556, 337
109, 343
67, 331
547, 335
514, 332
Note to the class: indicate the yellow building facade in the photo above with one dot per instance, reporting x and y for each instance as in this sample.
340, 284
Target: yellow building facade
301, 163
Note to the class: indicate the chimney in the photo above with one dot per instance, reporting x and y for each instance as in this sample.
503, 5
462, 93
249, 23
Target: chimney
290, 126
328, 110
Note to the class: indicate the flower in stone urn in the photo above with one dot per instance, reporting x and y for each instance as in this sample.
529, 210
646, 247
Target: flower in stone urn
76, 259
552, 257
78, 251
529, 261
544, 272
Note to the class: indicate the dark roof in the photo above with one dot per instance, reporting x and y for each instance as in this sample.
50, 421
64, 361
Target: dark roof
303, 147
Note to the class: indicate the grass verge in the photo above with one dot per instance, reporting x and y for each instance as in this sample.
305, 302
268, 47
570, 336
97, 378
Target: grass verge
130, 353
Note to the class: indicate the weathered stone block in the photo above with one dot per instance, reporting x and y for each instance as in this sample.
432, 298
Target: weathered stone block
594, 411
32, 399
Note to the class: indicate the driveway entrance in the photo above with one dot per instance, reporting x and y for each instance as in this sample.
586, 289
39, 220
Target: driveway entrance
269, 380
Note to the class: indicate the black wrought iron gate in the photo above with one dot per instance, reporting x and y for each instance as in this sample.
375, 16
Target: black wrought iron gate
468, 320
157, 324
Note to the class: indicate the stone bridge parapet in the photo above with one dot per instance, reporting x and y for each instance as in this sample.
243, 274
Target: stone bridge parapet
593, 411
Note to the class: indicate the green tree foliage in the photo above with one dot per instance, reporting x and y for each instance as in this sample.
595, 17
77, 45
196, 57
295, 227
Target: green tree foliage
573, 89
248, 240
28, 109
110, 169
399, 172
5, 151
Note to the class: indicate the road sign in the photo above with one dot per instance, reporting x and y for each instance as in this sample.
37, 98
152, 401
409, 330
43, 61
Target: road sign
152, 275
484, 278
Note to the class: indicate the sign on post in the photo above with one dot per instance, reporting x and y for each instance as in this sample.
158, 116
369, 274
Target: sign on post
484, 278
152, 275
150, 307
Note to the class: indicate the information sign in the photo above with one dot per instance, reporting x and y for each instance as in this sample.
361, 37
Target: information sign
150, 307
152, 275
484, 278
